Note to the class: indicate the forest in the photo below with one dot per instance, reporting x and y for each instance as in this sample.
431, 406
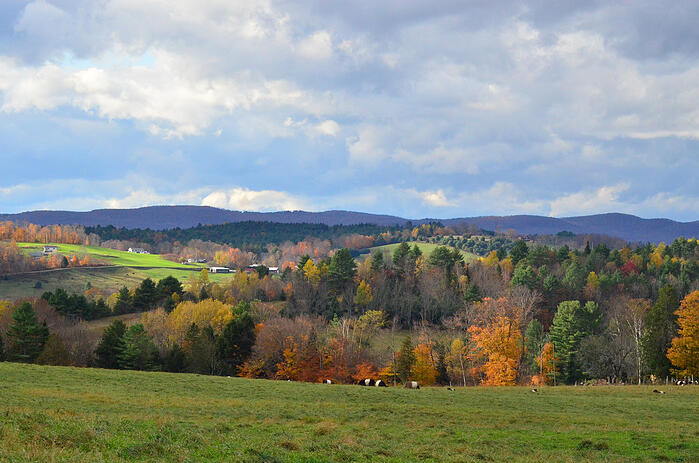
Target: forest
533, 314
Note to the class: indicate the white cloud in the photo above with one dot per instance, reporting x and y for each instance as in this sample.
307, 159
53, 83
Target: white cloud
244, 199
317, 46
329, 128
603, 199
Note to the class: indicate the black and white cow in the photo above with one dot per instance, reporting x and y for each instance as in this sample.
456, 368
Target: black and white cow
380, 383
366, 382
327, 381
412, 385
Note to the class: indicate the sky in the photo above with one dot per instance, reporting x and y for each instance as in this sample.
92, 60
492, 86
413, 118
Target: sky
419, 109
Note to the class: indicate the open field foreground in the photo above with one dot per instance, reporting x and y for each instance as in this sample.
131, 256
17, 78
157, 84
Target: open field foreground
68, 414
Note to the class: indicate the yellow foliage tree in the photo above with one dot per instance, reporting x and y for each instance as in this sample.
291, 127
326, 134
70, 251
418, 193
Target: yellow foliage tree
457, 360
363, 297
492, 259
203, 313
684, 352
499, 346
311, 272
424, 370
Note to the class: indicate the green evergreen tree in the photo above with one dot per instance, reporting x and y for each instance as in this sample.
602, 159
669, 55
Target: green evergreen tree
175, 360
406, 360
571, 324
168, 286
202, 351
519, 251
415, 252
473, 293
661, 327
123, 302
54, 352
442, 374
400, 255
2, 350
342, 269
138, 351
234, 346
524, 275
26, 335
377, 263
145, 296
111, 344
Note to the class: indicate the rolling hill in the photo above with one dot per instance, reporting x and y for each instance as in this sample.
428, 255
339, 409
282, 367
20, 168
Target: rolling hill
625, 226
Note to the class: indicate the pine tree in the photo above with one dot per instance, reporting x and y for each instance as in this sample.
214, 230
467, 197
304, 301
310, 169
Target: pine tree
473, 293
2, 351
26, 335
661, 326
234, 346
571, 324
400, 255
54, 352
111, 345
534, 341
123, 303
406, 360
138, 351
377, 262
145, 296
175, 360
442, 374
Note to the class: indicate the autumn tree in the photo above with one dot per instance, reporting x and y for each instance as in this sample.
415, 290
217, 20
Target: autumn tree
684, 352
498, 345
26, 335
424, 369
363, 297
124, 302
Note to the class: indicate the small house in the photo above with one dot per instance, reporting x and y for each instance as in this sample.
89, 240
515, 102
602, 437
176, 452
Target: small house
219, 270
50, 249
138, 250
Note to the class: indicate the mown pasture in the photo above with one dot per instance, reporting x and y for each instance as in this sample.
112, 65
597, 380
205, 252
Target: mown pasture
426, 248
68, 414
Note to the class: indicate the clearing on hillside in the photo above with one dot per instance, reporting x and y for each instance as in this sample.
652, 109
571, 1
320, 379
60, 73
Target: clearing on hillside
68, 414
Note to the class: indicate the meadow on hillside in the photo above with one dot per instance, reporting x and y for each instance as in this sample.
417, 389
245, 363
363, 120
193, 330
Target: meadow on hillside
68, 414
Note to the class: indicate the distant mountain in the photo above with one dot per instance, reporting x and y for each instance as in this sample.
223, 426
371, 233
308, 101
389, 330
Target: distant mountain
628, 227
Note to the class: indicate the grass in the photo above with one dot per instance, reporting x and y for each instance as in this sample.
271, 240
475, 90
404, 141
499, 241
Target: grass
426, 248
66, 414
112, 256
130, 270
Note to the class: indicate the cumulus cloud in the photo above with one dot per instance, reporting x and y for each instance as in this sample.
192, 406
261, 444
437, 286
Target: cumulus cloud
553, 109
244, 199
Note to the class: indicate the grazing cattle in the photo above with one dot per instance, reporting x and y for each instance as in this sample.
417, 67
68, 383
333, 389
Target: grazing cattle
412, 385
658, 392
534, 390
366, 382
450, 388
681, 383
327, 381
380, 383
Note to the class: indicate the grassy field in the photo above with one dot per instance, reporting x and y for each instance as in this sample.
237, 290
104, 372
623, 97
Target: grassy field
426, 249
130, 270
66, 414
112, 256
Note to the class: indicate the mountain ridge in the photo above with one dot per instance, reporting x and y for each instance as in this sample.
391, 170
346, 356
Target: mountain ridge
625, 226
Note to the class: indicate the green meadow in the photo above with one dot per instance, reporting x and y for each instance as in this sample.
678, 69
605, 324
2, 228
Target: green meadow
426, 248
64, 414
121, 268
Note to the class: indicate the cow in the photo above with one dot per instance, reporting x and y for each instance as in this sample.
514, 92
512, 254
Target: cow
412, 385
366, 382
658, 392
380, 383
327, 381
535, 390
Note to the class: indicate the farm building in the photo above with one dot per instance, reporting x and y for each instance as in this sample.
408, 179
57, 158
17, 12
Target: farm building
138, 251
219, 270
50, 249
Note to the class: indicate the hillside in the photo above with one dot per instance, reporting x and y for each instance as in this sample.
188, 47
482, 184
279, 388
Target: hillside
624, 226
67, 414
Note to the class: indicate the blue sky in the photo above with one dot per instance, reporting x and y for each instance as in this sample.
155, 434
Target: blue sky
419, 109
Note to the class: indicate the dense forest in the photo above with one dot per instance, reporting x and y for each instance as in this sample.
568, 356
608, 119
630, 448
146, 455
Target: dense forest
535, 314
250, 236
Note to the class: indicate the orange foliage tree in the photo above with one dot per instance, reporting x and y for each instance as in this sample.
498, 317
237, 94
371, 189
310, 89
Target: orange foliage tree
684, 352
498, 349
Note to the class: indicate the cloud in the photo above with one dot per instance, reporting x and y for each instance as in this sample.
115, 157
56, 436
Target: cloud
553, 108
244, 199
603, 199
